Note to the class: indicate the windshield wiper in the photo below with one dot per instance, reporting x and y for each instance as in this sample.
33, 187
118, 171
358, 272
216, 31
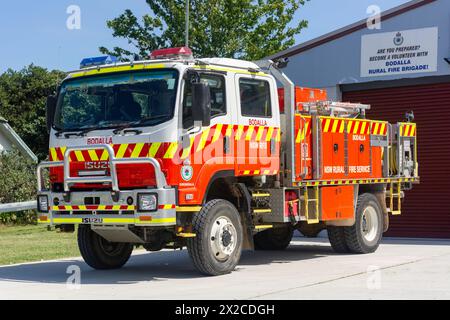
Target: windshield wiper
80, 132
137, 124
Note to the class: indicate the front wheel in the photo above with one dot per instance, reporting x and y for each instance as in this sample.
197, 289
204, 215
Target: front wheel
99, 253
365, 235
217, 247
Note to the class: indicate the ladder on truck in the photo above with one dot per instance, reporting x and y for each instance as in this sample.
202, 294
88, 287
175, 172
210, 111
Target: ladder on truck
395, 192
312, 216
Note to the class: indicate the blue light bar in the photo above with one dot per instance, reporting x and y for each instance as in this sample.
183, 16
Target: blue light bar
97, 61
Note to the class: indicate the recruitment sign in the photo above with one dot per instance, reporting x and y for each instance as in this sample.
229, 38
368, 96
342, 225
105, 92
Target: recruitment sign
400, 52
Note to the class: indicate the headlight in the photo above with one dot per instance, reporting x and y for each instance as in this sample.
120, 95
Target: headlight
147, 202
42, 203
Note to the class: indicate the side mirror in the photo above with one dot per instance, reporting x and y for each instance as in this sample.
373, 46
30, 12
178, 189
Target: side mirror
51, 109
201, 103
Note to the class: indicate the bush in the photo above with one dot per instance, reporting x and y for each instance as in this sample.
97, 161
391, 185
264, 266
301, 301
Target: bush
23, 96
18, 184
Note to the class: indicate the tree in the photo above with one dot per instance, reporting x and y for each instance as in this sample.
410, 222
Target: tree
18, 184
244, 29
22, 102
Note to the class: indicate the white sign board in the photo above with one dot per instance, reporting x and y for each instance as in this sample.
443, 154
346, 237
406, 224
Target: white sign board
401, 52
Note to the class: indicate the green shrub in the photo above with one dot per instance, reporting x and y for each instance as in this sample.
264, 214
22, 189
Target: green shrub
18, 184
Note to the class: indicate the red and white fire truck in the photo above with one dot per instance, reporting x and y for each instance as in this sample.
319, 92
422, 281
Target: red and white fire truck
211, 155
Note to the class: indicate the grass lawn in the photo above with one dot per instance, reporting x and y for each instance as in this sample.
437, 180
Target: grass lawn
34, 243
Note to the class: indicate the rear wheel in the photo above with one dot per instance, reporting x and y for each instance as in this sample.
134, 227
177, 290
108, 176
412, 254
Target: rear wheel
336, 236
366, 234
274, 239
99, 253
217, 247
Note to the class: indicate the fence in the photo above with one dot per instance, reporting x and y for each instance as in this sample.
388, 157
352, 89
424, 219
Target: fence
18, 206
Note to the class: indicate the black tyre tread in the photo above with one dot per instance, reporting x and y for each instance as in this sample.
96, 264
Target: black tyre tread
336, 236
351, 233
197, 250
85, 235
266, 241
196, 247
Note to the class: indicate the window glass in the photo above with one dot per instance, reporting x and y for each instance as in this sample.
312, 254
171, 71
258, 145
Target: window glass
216, 84
255, 98
135, 99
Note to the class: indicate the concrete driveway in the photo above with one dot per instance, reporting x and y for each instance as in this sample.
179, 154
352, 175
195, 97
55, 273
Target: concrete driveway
400, 269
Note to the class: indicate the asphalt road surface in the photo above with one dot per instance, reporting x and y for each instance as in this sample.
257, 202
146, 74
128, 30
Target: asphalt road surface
400, 269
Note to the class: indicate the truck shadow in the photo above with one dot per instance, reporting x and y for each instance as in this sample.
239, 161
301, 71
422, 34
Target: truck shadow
148, 267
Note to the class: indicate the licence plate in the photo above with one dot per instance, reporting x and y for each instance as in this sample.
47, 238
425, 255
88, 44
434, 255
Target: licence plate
92, 220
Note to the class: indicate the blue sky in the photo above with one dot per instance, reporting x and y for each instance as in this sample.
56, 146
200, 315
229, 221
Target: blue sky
36, 32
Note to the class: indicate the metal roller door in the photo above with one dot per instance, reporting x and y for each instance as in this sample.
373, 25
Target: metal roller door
426, 209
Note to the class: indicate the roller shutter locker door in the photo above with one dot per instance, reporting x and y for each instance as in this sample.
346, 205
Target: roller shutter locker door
426, 209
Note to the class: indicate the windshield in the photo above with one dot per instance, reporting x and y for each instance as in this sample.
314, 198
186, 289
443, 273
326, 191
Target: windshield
110, 101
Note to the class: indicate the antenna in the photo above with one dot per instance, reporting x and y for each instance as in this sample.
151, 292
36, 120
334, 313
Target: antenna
187, 24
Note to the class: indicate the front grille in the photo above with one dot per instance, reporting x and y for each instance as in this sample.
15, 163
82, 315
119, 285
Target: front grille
87, 213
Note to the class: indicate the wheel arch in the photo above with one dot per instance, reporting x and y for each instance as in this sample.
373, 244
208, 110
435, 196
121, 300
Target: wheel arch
379, 191
224, 185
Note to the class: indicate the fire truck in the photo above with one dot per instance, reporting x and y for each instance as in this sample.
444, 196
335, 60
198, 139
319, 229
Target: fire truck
216, 155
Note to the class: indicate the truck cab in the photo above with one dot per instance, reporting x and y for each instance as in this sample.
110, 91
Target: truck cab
136, 149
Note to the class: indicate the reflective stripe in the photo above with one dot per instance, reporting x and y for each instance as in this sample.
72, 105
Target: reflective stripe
154, 149
335, 125
203, 140
171, 150
114, 220
356, 127
363, 128
260, 133
187, 151
229, 130
79, 156
188, 209
239, 132
269, 134
217, 133
239, 71
121, 151
105, 156
53, 154
137, 150
375, 129
327, 125
116, 69
93, 155
249, 133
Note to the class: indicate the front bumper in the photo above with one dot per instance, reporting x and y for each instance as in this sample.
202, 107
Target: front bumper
108, 212
115, 207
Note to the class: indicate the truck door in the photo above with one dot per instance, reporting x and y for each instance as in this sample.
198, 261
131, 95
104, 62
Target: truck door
258, 134
204, 151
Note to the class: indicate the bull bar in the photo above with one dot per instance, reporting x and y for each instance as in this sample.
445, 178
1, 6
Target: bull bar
166, 215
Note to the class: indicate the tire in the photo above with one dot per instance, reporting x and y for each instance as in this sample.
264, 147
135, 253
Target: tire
217, 247
310, 230
366, 234
336, 236
99, 253
276, 239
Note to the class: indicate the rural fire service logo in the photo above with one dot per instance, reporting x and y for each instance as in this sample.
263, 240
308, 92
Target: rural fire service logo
187, 172
398, 40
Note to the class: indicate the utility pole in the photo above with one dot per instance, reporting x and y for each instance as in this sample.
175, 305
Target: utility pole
187, 24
